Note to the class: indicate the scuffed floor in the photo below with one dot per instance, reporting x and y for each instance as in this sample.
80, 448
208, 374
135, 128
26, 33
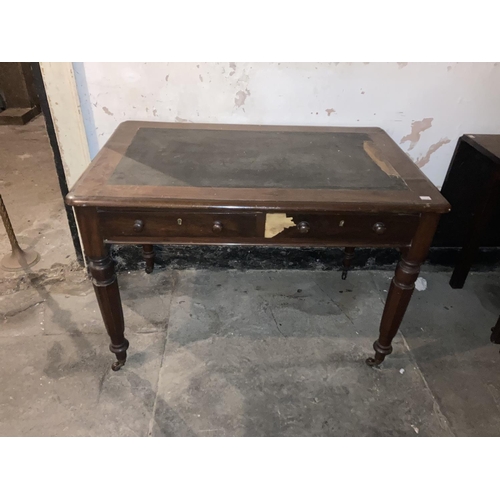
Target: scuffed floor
256, 353
31, 193
227, 353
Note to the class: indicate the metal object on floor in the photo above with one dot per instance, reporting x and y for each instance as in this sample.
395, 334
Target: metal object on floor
18, 259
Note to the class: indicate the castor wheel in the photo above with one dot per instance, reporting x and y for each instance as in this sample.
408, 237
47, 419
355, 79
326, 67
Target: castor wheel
149, 270
117, 365
344, 274
373, 362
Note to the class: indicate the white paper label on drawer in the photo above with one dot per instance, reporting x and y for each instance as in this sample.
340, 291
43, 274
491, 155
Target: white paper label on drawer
276, 223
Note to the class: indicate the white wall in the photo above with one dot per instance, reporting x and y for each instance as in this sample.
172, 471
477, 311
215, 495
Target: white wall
424, 107
62, 95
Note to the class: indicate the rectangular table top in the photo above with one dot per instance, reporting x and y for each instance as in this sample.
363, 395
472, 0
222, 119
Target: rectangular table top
249, 166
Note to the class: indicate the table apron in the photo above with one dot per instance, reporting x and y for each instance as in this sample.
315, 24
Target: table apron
293, 228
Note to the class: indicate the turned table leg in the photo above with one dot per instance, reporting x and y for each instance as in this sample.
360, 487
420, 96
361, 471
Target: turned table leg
346, 264
108, 298
105, 283
402, 287
149, 256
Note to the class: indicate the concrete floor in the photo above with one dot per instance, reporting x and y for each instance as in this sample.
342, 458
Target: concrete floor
31, 193
256, 353
228, 353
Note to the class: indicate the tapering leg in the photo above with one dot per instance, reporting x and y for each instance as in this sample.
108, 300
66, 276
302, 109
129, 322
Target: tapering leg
398, 298
108, 298
149, 256
105, 283
346, 264
402, 287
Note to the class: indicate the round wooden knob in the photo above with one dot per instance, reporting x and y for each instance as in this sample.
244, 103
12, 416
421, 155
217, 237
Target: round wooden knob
303, 227
138, 226
217, 227
379, 228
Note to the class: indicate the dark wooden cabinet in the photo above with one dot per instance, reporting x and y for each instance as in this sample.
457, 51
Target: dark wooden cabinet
472, 185
18, 93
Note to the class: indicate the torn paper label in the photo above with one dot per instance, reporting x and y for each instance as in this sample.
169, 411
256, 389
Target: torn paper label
276, 223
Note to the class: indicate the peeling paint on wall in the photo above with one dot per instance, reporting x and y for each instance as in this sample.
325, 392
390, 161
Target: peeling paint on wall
423, 160
107, 111
232, 66
402, 65
330, 111
417, 127
241, 97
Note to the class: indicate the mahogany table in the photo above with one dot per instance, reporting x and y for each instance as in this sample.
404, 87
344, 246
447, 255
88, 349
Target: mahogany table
180, 183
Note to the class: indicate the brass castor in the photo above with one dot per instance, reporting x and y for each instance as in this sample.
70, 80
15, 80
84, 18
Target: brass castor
373, 362
380, 353
117, 365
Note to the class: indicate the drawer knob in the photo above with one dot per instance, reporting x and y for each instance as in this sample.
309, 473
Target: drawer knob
303, 227
217, 227
379, 228
138, 226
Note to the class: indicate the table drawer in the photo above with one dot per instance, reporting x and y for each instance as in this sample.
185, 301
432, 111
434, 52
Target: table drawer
350, 229
177, 225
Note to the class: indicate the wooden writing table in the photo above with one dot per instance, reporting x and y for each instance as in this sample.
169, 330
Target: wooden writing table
171, 183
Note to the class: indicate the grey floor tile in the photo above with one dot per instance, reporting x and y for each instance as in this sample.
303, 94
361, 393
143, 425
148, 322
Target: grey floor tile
448, 334
62, 385
258, 353
282, 353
